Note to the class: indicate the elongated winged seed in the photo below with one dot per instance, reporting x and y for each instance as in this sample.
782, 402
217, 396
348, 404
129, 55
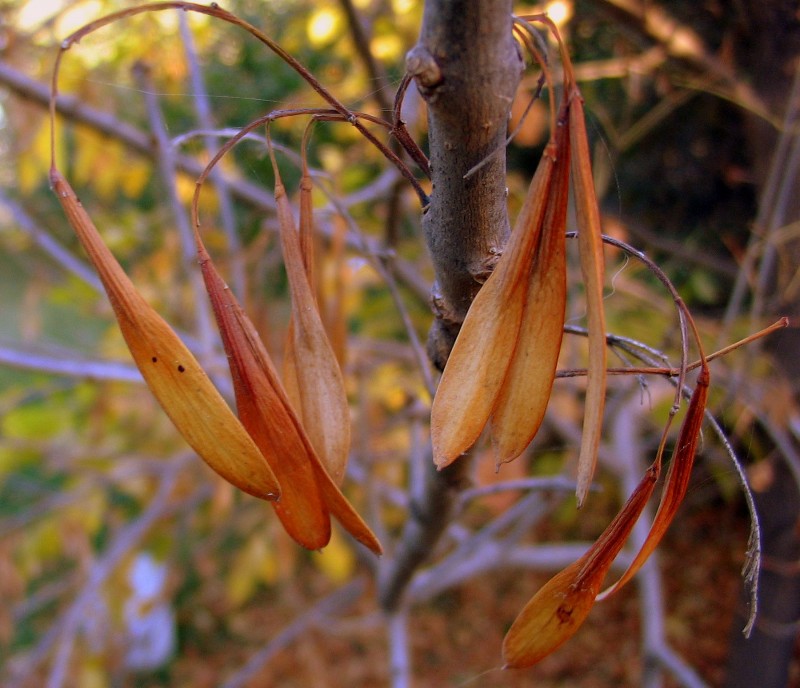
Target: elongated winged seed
172, 373
523, 399
556, 612
677, 480
479, 362
324, 411
590, 248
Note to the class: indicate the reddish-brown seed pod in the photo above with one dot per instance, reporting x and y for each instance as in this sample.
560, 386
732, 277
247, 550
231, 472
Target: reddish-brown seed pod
677, 480
590, 248
559, 608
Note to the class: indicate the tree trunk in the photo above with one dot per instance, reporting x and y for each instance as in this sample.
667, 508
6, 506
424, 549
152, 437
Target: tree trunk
769, 57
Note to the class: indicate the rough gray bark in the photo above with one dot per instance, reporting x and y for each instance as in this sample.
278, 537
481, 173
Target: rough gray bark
467, 68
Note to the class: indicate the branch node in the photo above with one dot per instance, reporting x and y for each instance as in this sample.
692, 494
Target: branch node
485, 267
423, 67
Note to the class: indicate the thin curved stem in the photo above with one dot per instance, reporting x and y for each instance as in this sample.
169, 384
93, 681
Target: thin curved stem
216, 11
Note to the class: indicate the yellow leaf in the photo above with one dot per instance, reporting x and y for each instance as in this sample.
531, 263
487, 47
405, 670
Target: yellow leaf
110, 167
33, 166
137, 174
29, 174
88, 147
46, 540
90, 514
93, 675
254, 563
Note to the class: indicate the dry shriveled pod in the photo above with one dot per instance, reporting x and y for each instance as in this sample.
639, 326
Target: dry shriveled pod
504, 360
590, 248
559, 608
266, 413
677, 479
310, 496
523, 399
290, 365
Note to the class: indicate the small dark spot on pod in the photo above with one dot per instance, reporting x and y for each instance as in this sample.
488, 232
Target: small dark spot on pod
564, 614
154, 359
181, 368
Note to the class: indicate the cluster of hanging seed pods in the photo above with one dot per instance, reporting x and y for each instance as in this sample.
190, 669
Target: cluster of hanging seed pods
290, 440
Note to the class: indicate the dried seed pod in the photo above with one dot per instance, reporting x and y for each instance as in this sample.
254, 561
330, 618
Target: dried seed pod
523, 399
309, 494
265, 411
590, 248
677, 480
323, 405
172, 373
479, 362
559, 608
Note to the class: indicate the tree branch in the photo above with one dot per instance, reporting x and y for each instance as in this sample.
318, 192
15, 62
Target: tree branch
467, 68
375, 71
74, 109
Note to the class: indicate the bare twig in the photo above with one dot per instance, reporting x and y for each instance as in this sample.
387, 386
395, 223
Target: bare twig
48, 244
71, 364
399, 653
400, 132
670, 371
628, 452
549, 483
758, 267
776, 205
166, 165
676, 666
205, 120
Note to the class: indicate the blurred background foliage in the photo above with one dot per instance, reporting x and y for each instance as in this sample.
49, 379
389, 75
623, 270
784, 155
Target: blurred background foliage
107, 522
